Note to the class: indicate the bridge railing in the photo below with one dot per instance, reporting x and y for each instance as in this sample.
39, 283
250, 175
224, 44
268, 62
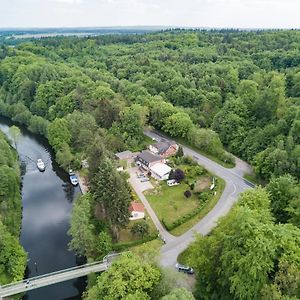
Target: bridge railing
104, 261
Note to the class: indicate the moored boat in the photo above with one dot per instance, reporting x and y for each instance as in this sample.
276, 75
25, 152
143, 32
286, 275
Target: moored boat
73, 178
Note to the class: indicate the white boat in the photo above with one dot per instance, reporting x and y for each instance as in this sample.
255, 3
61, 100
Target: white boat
40, 165
73, 178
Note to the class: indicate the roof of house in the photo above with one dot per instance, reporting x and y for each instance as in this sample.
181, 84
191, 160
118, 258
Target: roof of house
136, 206
161, 169
148, 156
163, 146
124, 155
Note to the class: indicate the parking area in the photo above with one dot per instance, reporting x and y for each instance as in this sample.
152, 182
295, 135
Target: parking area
140, 182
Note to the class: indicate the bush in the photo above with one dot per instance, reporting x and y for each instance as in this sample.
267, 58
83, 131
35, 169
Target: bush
203, 197
188, 160
124, 246
140, 228
179, 153
183, 219
178, 175
187, 194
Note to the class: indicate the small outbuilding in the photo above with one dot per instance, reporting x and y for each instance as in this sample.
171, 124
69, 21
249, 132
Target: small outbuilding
124, 155
137, 211
160, 171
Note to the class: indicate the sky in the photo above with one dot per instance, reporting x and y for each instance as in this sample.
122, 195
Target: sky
189, 13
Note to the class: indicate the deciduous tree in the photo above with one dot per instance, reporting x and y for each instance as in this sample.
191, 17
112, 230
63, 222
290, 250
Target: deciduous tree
116, 284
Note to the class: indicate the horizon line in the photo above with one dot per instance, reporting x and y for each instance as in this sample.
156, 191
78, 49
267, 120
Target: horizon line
147, 26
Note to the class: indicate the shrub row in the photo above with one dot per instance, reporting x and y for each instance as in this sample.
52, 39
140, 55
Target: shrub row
183, 219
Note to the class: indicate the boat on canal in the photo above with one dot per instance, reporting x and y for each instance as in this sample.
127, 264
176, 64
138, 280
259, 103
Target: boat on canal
40, 165
73, 178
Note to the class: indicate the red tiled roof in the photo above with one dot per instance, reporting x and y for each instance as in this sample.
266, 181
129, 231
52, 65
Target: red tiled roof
135, 206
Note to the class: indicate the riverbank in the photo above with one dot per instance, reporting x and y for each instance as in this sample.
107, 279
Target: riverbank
12, 255
47, 199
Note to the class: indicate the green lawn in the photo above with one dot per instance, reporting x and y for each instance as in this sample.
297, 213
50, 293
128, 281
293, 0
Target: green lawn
126, 236
152, 245
169, 203
204, 211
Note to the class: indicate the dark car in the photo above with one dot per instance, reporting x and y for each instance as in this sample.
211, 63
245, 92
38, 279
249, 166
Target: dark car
184, 269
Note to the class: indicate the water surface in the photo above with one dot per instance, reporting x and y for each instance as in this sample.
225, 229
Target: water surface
47, 204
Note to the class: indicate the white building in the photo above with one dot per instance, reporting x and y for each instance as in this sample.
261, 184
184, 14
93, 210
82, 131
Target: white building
160, 171
137, 211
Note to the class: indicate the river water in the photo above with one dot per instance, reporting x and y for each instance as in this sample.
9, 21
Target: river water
47, 204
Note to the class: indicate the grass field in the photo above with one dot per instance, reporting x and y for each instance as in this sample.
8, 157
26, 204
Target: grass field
126, 236
205, 210
169, 203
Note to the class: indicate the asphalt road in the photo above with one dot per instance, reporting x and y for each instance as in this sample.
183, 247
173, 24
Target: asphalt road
235, 184
139, 187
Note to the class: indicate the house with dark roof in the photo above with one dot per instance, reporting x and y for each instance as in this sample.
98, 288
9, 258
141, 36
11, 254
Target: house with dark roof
164, 148
147, 159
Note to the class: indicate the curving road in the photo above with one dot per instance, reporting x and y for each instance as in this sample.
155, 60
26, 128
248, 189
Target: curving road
235, 184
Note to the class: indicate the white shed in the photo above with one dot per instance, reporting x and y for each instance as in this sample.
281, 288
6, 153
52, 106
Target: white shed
160, 171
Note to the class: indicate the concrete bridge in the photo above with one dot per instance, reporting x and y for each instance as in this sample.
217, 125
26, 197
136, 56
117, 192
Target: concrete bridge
56, 277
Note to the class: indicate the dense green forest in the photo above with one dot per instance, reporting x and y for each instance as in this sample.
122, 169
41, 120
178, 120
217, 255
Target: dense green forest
215, 90
245, 86
12, 255
250, 255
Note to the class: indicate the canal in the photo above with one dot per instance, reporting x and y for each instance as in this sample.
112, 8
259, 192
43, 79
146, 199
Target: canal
47, 204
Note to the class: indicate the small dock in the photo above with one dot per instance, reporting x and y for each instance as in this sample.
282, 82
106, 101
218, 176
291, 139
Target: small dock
82, 184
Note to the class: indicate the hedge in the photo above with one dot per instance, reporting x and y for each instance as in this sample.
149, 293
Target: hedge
183, 219
124, 246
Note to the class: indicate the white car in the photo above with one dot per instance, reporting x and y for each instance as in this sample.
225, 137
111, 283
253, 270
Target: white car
184, 269
172, 182
144, 179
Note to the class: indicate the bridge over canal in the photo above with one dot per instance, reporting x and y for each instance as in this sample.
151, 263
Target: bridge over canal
55, 277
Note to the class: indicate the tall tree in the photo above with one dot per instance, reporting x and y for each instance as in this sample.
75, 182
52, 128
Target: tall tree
132, 122
58, 133
234, 263
128, 278
81, 229
179, 294
15, 133
283, 190
12, 257
111, 192
178, 124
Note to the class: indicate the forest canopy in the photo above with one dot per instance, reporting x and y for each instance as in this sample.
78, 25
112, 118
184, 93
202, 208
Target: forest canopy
241, 88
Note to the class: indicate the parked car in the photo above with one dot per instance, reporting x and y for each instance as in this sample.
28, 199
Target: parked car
172, 182
144, 179
184, 269
140, 175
